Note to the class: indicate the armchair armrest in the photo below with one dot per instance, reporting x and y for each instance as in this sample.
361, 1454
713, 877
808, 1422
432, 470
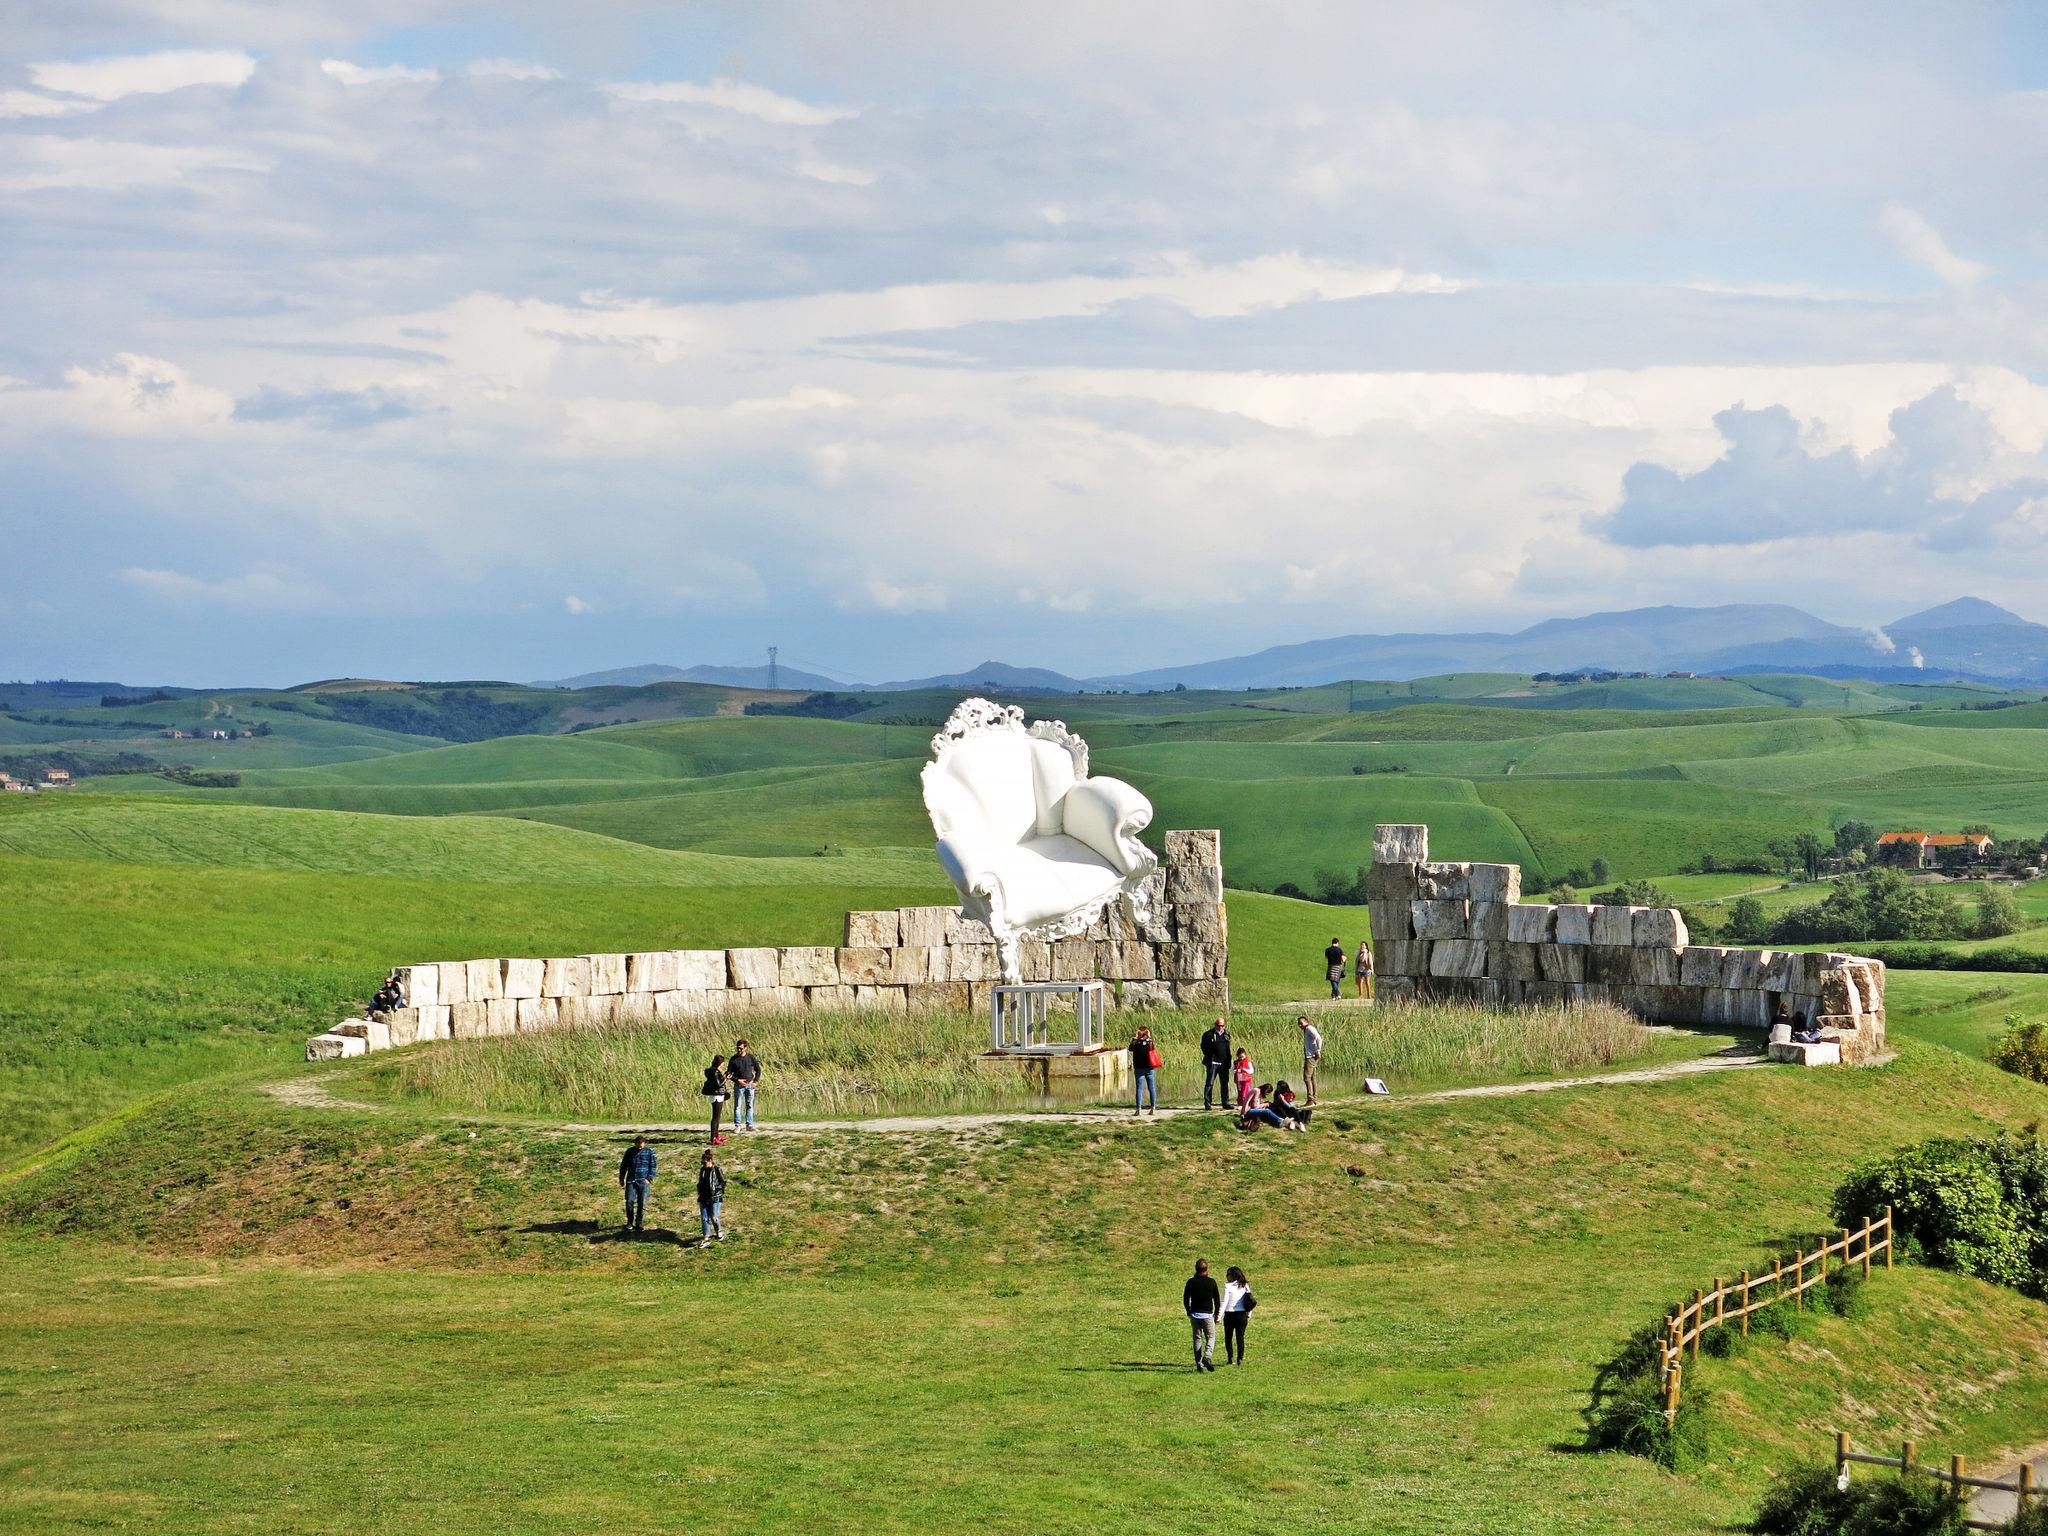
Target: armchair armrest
1107, 815
972, 875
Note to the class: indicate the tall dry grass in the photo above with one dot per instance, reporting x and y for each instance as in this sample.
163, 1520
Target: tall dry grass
859, 1063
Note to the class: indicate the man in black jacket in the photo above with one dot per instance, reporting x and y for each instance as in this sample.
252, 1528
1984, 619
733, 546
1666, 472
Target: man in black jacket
745, 1071
1216, 1066
1202, 1299
1333, 967
636, 1178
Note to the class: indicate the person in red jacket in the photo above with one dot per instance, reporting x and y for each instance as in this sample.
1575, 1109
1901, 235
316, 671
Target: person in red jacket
1144, 1071
1245, 1075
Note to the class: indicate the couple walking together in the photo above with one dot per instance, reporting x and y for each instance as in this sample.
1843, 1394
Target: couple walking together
1333, 969
736, 1078
1209, 1306
637, 1172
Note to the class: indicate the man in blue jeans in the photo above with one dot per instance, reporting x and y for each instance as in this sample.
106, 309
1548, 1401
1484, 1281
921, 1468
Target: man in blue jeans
1144, 1076
1216, 1059
636, 1178
710, 1197
745, 1071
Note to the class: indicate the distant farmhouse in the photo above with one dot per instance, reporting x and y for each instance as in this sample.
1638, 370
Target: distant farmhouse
1929, 850
10, 785
56, 778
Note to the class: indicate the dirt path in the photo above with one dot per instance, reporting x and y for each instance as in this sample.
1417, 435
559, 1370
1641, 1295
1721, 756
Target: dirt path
311, 1093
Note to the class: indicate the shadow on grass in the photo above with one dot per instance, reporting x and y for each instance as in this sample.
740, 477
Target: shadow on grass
1130, 1365
603, 1232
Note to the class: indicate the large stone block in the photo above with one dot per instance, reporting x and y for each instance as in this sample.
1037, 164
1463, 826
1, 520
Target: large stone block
809, 965
867, 967
885, 999
402, 1026
1196, 847
918, 965
1183, 962
1611, 965
568, 978
332, 1047
635, 1007
1659, 928
873, 930
1564, 963
607, 975
585, 1012
1444, 882
651, 971
1802, 972
501, 1016
674, 1007
1200, 923
1034, 960
485, 978
1745, 969
1074, 960
1495, 882
1614, 925
1438, 919
752, 969
938, 997
700, 970
466, 1021
374, 1033
1145, 994
530, 1013
523, 978
925, 927
1191, 884
1130, 962
1512, 962
1393, 882
421, 985
962, 929
453, 979
1702, 965
1399, 989
1488, 920
1461, 958
1574, 924
1401, 957
776, 999
434, 1024
1656, 967
1150, 908
1391, 919
980, 962
1400, 843
1532, 923
834, 999
1205, 996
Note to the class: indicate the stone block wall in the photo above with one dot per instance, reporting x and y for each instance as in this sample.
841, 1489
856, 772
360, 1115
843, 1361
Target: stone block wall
1168, 948
1462, 931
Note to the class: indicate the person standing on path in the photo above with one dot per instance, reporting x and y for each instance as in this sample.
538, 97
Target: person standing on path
1333, 967
636, 1177
1144, 1071
1203, 1303
715, 1084
710, 1198
1247, 1077
1238, 1302
746, 1074
1311, 1057
1216, 1066
1361, 967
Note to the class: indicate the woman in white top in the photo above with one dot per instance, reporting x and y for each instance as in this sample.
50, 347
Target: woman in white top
1362, 969
1238, 1302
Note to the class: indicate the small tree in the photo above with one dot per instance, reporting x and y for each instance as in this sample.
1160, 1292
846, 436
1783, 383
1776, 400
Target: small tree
1747, 921
1854, 836
1809, 848
1601, 872
1998, 912
1564, 893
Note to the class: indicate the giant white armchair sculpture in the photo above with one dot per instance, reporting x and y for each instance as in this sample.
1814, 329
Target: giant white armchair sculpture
1036, 848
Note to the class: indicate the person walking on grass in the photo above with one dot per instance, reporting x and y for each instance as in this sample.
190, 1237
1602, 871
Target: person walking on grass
1144, 1071
745, 1067
1311, 1056
1333, 967
1216, 1066
710, 1198
1203, 1303
1246, 1077
636, 1177
1238, 1302
1361, 967
715, 1086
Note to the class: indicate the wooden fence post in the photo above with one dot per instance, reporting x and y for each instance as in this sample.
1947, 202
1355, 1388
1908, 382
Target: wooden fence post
1906, 1457
1720, 1302
1799, 1276
1955, 1476
1841, 1454
1845, 1249
1698, 1298
2026, 1487
1868, 1225
1890, 1236
1745, 1303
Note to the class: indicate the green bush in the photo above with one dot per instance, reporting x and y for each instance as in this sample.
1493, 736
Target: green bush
2022, 1049
2033, 1523
1722, 1341
1998, 912
1802, 1502
1780, 1320
1631, 1419
1902, 1506
1844, 1295
1950, 1195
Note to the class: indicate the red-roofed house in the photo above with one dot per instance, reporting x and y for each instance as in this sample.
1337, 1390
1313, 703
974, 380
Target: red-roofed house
1923, 850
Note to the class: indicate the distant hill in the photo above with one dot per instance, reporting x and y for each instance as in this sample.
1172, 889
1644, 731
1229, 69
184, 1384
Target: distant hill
724, 677
1963, 613
996, 677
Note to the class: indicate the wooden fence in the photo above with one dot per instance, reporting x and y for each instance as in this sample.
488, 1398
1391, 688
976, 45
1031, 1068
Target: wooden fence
2020, 1485
1734, 1301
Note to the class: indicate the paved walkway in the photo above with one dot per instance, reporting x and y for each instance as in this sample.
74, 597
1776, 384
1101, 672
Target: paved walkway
313, 1093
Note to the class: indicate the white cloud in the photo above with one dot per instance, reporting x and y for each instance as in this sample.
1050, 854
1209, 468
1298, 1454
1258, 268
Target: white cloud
511, 69
376, 74
732, 96
109, 79
575, 604
257, 590
33, 104
891, 597
1921, 243
44, 163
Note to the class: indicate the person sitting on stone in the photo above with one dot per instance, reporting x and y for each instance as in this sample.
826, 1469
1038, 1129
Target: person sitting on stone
1803, 1031
1284, 1105
389, 996
1781, 1021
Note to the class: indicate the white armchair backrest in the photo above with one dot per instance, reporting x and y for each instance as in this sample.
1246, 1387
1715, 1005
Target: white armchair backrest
995, 782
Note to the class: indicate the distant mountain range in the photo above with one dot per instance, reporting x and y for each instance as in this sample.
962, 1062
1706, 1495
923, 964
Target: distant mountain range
1967, 639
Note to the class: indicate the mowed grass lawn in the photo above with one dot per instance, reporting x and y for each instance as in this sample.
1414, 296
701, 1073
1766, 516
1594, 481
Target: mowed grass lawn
220, 1314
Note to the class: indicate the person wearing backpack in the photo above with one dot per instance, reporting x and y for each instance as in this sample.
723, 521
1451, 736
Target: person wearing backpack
1144, 1071
1238, 1302
1216, 1065
714, 1090
711, 1197
636, 1178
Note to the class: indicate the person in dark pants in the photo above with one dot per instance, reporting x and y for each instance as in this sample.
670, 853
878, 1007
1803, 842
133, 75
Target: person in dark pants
711, 1197
1216, 1066
1203, 1303
1333, 967
1238, 1302
1144, 1072
714, 1089
746, 1076
636, 1178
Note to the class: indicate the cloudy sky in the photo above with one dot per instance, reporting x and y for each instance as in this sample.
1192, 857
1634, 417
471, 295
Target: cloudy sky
513, 340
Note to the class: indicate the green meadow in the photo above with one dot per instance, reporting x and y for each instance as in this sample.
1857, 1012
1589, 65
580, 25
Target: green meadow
406, 1306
